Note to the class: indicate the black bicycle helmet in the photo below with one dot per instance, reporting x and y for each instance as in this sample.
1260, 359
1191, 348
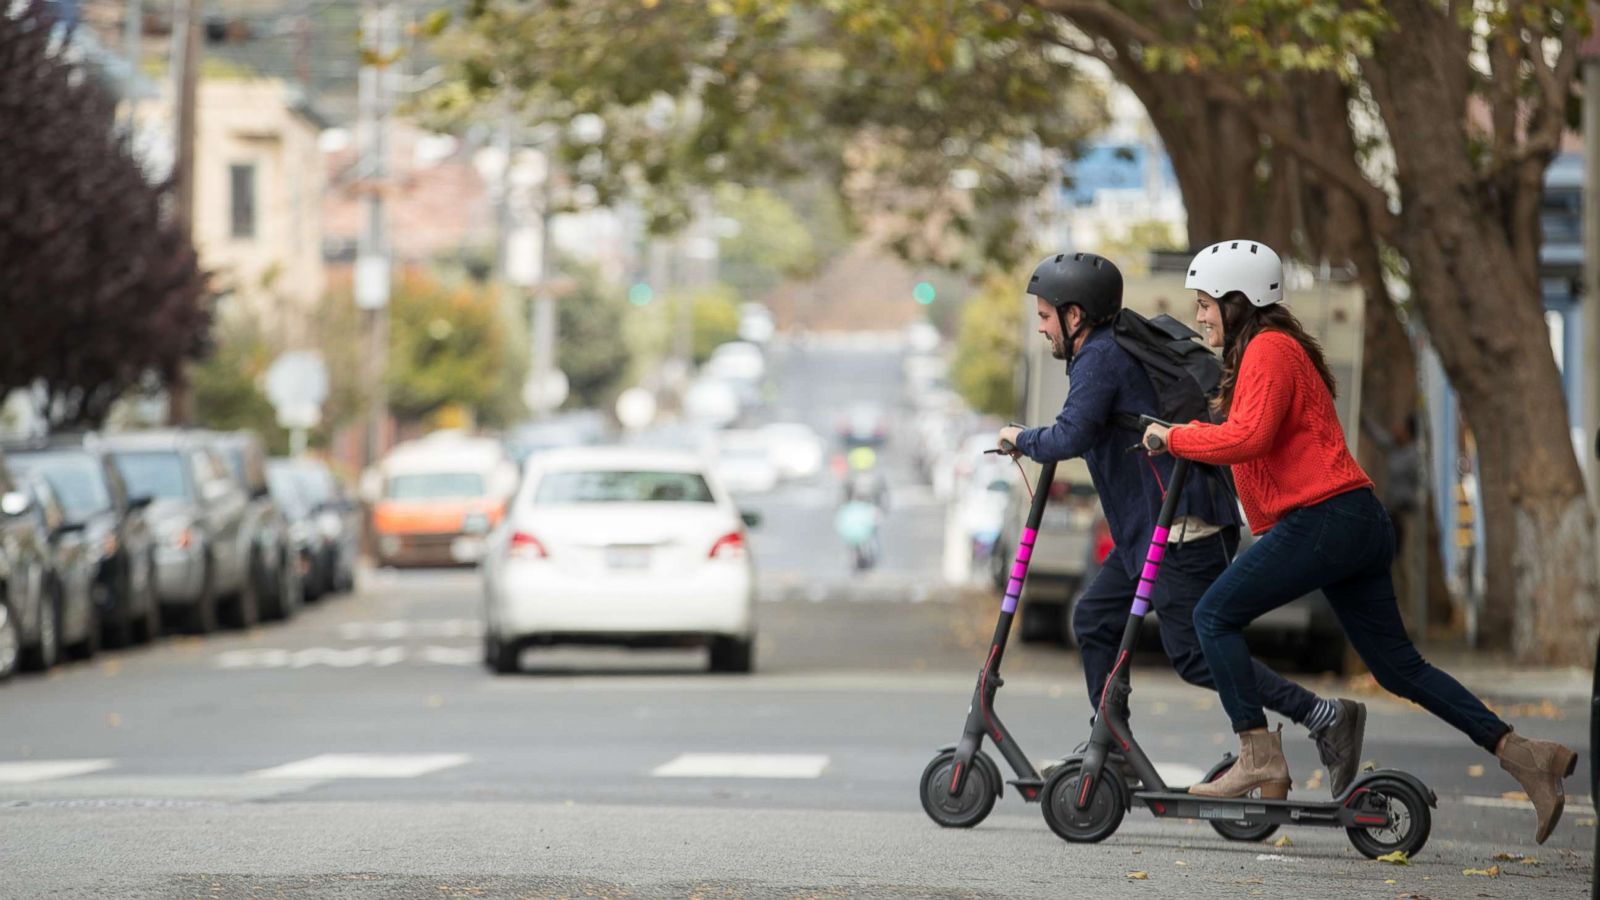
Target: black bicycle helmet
1091, 282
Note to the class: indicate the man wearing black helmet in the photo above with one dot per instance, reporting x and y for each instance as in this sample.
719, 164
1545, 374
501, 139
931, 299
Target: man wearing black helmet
1078, 298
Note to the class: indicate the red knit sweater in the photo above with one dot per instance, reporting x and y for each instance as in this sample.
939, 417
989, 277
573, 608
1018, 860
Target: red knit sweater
1282, 436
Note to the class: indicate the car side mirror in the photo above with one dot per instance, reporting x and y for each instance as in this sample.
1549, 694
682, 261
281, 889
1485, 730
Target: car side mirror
68, 528
140, 502
15, 503
750, 519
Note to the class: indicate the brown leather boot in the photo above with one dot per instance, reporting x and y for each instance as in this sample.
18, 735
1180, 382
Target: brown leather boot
1539, 767
1261, 765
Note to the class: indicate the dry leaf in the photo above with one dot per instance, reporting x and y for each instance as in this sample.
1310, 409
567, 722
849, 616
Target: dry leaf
1283, 842
1138, 876
1585, 823
1179, 862
1491, 872
1397, 858
1516, 858
1390, 881
1515, 795
114, 720
1474, 771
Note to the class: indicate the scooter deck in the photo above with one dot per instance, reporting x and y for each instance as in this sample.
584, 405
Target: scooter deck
1331, 813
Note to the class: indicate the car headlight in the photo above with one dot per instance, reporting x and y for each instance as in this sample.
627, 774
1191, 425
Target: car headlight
329, 525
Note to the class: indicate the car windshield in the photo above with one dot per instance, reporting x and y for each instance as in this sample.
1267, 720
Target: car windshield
619, 486
76, 478
158, 475
434, 486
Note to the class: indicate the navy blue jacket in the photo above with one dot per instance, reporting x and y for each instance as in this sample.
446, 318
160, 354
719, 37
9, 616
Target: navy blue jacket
1106, 380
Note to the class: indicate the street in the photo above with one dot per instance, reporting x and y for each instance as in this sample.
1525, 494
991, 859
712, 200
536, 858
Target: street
363, 750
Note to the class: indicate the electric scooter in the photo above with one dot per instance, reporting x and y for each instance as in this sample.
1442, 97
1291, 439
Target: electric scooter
1084, 799
960, 785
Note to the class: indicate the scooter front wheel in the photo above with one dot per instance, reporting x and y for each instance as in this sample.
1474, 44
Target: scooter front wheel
1102, 810
976, 799
1238, 831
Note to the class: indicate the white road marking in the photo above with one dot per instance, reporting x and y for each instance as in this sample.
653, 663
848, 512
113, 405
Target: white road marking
743, 765
364, 765
345, 657
29, 771
403, 628
1574, 804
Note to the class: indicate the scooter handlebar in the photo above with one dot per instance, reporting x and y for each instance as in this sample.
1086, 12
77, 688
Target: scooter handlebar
1151, 442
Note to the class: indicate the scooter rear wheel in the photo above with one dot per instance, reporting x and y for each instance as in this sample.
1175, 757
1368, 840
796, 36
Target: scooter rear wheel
1238, 831
976, 799
1405, 805
1100, 816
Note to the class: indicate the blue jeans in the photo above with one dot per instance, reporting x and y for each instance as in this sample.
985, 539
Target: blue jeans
1344, 546
1101, 613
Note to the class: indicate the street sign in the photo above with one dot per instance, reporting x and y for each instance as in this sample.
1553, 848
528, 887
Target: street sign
636, 408
372, 282
296, 384
546, 393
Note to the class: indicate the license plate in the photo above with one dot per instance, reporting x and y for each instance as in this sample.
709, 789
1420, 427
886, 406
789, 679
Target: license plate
629, 558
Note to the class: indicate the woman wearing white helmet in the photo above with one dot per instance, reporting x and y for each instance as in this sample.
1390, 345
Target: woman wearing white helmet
1320, 527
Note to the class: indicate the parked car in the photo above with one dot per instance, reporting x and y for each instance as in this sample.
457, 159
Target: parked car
642, 548
744, 462
796, 450
438, 498
30, 632
69, 576
115, 528
336, 518
305, 543
270, 565
197, 511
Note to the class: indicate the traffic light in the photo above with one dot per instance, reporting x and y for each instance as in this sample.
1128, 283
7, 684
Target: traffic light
923, 293
640, 294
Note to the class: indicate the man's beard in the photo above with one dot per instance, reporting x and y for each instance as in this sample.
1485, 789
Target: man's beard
1058, 348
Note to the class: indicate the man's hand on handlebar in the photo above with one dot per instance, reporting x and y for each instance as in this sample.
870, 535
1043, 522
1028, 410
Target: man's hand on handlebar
1007, 440
1155, 435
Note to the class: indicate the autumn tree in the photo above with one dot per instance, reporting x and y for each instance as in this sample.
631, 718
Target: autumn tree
100, 291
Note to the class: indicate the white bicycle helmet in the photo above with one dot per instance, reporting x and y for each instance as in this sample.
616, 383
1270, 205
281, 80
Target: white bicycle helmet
1249, 267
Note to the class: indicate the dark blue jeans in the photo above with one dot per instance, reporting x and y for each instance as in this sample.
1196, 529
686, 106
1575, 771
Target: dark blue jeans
1101, 614
1344, 546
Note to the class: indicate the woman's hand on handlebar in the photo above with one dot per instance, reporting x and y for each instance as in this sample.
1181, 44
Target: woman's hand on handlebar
1007, 440
1155, 438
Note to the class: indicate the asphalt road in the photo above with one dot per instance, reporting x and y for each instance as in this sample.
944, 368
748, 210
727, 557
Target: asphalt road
363, 751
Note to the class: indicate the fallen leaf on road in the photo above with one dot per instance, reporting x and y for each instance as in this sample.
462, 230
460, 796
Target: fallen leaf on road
1390, 881
1397, 858
1516, 858
1585, 823
1138, 876
1283, 842
1491, 872
114, 720
1474, 771
112, 667
1179, 862
1515, 795
1369, 765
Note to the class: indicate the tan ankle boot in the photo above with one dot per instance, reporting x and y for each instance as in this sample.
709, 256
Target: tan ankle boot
1539, 767
1260, 765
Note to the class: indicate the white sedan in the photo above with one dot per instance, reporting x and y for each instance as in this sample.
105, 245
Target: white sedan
614, 545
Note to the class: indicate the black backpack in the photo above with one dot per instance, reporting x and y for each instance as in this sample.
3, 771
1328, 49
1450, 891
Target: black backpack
1184, 372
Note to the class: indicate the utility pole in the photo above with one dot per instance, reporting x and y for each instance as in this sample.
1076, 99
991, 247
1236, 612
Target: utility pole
187, 15
544, 324
373, 262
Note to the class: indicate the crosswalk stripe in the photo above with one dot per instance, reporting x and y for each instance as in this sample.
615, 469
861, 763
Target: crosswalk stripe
364, 765
29, 771
743, 765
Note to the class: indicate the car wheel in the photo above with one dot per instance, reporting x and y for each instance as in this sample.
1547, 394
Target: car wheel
247, 603
150, 622
10, 641
202, 616
732, 654
291, 592
90, 645
47, 652
119, 631
500, 657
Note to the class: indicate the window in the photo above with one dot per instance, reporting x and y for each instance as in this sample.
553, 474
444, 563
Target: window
435, 486
156, 475
242, 194
622, 487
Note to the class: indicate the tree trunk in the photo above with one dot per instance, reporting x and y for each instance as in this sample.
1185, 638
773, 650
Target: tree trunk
1481, 299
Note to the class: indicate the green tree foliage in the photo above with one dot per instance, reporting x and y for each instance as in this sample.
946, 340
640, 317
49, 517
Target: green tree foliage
989, 343
591, 349
226, 383
99, 291
770, 245
446, 346
902, 97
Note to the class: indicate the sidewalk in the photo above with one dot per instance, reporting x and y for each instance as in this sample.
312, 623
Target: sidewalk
1494, 675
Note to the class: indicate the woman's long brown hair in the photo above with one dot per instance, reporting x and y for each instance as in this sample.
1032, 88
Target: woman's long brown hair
1241, 322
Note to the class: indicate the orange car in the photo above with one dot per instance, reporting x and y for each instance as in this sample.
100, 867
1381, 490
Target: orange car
439, 499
